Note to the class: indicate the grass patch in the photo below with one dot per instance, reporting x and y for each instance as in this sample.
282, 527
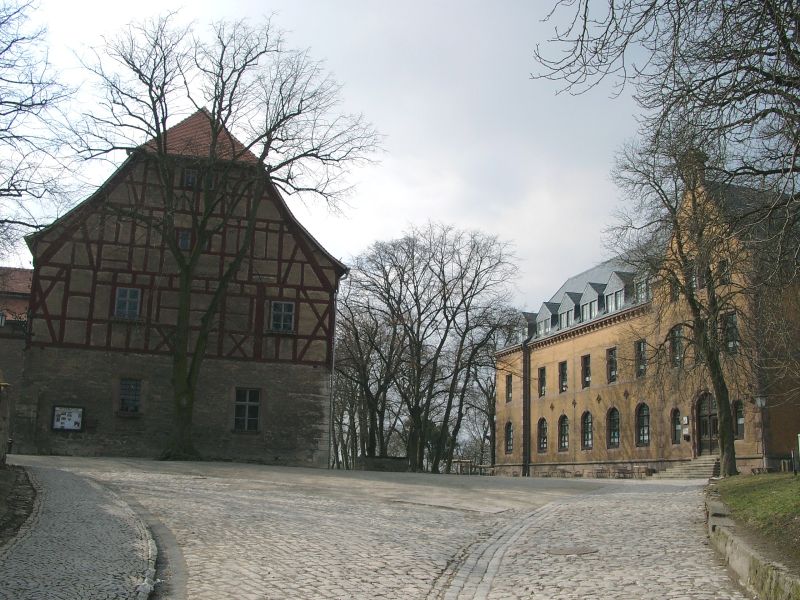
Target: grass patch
769, 505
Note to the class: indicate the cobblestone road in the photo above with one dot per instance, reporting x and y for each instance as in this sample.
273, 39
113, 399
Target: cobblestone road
249, 532
80, 542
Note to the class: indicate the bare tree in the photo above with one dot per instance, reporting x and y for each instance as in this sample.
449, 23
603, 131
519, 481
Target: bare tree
730, 68
438, 296
281, 106
683, 233
31, 160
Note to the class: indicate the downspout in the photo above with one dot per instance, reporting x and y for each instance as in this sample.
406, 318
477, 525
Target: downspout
526, 407
332, 384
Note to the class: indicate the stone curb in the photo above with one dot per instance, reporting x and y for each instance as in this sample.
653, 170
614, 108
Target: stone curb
148, 583
768, 580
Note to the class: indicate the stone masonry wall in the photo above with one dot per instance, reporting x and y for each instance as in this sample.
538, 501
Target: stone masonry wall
11, 347
294, 407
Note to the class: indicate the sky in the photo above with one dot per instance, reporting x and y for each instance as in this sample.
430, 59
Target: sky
471, 139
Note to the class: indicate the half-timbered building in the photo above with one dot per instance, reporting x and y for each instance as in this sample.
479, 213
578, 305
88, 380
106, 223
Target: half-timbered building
105, 302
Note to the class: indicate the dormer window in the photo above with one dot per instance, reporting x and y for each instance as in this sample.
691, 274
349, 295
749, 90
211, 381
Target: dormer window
565, 319
615, 301
643, 292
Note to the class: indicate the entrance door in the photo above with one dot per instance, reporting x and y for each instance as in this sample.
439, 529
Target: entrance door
707, 425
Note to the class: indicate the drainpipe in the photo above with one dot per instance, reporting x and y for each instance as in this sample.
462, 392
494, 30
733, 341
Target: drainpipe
526, 407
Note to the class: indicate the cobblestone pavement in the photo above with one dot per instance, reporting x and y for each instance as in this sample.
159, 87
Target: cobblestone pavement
80, 542
250, 532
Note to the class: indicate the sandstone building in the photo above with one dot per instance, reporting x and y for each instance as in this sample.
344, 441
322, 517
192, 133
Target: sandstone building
104, 305
602, 385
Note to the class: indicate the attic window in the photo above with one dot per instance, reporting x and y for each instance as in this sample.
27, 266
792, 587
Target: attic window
183, 238
190, 178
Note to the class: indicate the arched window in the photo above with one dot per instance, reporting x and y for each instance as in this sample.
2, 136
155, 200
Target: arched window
541, 435
563, 433
612, 428
587, 435
738, 417
643, 425
509, 437
676, 426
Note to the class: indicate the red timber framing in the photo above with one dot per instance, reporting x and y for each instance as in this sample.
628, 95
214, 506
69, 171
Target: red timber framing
86, 256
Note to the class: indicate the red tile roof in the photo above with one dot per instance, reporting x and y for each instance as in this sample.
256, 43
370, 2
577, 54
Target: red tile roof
192, 137
16, 281
15, 287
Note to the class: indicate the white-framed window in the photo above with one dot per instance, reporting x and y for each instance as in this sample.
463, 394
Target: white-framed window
282, 316
246, 409
130, 396
126, 303
643, 291
585, 312
592, 309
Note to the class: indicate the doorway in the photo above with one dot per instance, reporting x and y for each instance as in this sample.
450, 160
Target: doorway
707, 425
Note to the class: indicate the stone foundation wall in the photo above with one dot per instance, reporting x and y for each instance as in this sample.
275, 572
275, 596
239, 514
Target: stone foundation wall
294, 408
11, 346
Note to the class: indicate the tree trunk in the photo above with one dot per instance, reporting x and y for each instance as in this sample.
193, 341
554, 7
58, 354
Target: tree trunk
181, 446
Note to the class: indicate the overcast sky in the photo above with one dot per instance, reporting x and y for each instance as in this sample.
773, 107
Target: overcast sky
471, 140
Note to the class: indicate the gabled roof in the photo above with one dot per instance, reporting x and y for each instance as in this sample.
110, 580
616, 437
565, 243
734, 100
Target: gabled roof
618, 280
597, 274
570, 300
548, 309
192, 137
592, 291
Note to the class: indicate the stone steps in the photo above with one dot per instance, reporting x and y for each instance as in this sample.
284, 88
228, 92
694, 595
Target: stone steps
703, 467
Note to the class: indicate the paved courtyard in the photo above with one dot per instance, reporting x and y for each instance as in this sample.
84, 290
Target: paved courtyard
253, 532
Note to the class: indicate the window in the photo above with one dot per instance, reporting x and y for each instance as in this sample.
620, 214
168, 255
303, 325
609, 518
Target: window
738, 416
676, 426
282, 316
509, 437
691, 278
612, 428
563, 433
676, 346
542, 381
130, 396
592, 309
565, 319
724, 272
2, 319
643, 425
586, 371
183, 238
674, 291
640, 354
509, 379
541, 435
611, 364
190, 177
562, 376
585, 312
543, 327
127, 302
730, 333
587, 435
610, 305
643, 293
246, 408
